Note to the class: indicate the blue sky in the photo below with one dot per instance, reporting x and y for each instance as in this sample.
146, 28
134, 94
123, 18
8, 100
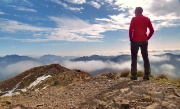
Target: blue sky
83, 27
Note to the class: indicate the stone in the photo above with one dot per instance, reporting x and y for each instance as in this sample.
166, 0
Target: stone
153, 106
134, 96
39, 105
157, 95
125, 104
100, 94
118, 98
124, 90
139, 90
164, 103
17, 107
176, 93
146, 98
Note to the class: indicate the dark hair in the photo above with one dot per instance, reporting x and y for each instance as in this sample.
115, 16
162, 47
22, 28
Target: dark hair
139, 10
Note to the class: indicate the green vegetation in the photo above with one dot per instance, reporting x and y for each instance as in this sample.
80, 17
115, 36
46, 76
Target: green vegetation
165, 79
160, 78
176, 82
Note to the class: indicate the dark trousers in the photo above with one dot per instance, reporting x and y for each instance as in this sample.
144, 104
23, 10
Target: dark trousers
144, 51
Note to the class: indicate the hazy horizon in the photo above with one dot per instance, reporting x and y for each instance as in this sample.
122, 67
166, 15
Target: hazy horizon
164, 63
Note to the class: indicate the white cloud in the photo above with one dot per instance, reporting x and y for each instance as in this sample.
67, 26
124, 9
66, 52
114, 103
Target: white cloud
109, 1
95, 4
178, 59
69, 29
74, 29
26, 9
67, 6
166, 8
162, 13
77, 1
173, 51
121, 20
13, 69
168, 69
2, 12
12, 26
19, 67
157, 58
90, 66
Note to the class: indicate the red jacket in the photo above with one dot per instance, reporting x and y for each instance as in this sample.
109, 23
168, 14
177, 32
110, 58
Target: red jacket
138, 28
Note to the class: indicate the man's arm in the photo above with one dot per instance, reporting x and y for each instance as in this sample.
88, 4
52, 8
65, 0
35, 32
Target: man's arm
131, 29
151, 29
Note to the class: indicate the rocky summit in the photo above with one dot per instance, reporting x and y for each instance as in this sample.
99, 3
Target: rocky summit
75, 89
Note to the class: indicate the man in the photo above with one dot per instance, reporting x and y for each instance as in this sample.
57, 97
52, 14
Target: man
139, 39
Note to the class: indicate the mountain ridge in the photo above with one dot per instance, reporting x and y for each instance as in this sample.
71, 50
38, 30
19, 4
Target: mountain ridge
167, 63
65, 88
23, 80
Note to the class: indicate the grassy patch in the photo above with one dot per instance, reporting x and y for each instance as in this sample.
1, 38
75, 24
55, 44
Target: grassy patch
165, 79
125, 73
176, 82
162, 76
140, 73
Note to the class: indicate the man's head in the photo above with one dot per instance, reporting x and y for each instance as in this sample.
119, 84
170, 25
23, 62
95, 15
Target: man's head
138, 10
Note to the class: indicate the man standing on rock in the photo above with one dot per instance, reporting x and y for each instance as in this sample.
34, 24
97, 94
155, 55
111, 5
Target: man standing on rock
139, 39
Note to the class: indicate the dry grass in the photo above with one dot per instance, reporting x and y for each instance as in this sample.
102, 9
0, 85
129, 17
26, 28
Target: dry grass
125, 73
176, 82
151, 76
162, 76
140, 73
165, 79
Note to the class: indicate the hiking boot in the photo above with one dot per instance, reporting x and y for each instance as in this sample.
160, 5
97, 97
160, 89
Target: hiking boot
133, 78
146, 78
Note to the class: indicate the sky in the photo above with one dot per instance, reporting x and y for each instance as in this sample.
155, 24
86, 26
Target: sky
83, 27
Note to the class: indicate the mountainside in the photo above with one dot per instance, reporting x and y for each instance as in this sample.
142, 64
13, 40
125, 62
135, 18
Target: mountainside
121, 58
40, 77
56, 87
9, 59
11, 65
93, 57
118, 58
46, 59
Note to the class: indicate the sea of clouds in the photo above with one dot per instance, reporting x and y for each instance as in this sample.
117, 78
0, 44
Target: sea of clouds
95, 66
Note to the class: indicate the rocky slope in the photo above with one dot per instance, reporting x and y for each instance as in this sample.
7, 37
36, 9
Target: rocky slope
105, 91
41, 77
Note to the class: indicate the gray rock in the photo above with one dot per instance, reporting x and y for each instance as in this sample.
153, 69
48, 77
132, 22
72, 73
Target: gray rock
157, 95
167, 105
139, 90
176, 93
124, 90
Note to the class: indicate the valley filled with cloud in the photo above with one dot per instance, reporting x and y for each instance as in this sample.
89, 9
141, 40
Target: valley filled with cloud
95, 64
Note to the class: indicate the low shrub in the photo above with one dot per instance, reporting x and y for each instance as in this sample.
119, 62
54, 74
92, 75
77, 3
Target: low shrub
140, 73
125, 73
162, 76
